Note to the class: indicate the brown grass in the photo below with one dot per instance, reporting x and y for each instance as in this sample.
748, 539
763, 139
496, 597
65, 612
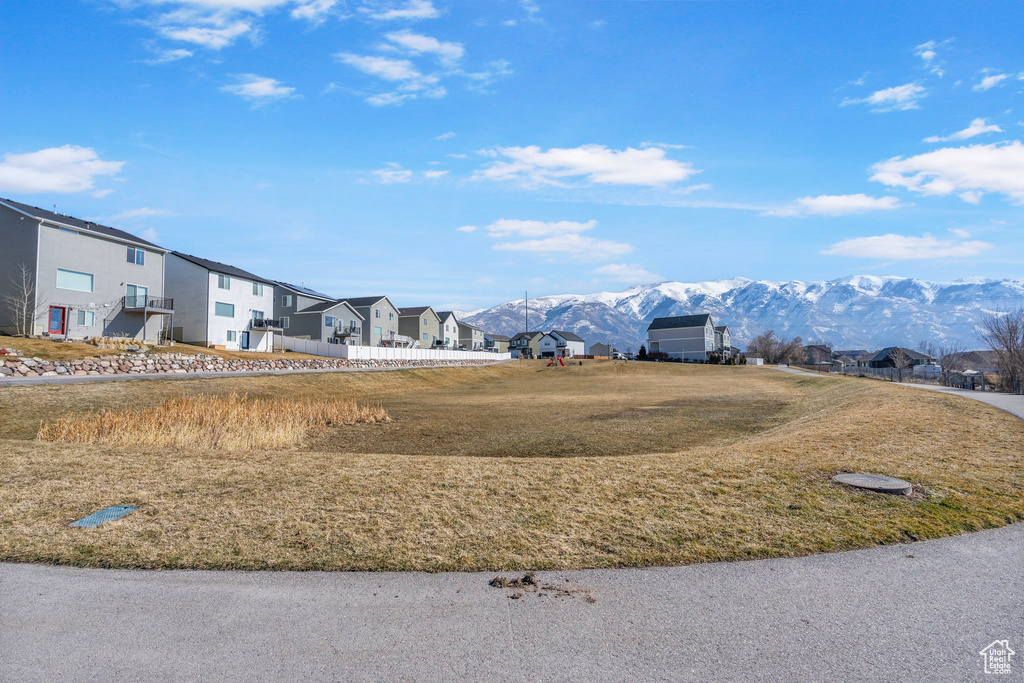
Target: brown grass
759, 487
56, 350
228, 423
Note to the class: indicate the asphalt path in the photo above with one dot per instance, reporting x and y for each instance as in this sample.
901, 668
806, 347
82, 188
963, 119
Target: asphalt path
921, 611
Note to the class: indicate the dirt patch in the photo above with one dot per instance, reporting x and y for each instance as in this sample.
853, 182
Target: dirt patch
528, 583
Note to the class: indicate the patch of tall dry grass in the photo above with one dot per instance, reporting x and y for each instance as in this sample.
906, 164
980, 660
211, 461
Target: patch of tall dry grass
228, 423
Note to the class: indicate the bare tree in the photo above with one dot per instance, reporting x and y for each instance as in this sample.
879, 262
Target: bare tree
19, 302
775, 350
1004, 333
818, 355
900, 360
952, 357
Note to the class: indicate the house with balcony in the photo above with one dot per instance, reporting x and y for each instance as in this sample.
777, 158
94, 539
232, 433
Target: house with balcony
471, 337
380, 321
723, 341
308, 314
75, 279
221, 306
498, 343
561, 343
422, 324
525, 345
448, 329
687, 338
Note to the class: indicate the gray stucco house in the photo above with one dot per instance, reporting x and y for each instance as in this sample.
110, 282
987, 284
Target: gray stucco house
380, 321
448, 329
471, 337
82, 279
682, 337
307, 314
422, 324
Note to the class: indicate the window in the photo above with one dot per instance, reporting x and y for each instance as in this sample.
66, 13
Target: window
286, 300
135, 296
425, 323
328, 321
258, 315
232, 335
285, 322
225, 310
391, 315
137, 256
86, 318
73, 280
376, 313
223, 282
425, 336
376, 331
257, 289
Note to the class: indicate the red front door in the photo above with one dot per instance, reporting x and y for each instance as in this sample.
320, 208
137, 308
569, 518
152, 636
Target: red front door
57, 319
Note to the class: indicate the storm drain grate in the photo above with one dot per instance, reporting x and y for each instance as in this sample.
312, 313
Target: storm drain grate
106, 515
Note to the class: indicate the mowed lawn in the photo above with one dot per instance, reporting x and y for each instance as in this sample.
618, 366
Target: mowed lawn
517, 466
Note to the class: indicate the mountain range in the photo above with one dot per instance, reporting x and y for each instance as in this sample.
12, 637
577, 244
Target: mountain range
857, 312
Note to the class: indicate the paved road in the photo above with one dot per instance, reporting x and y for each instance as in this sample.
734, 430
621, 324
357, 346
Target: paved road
79, 379
914, 612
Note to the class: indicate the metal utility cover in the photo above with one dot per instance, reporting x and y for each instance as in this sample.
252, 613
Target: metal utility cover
106, 515
876, 482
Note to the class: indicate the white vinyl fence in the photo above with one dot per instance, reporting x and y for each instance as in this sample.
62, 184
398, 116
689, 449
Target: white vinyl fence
315, 348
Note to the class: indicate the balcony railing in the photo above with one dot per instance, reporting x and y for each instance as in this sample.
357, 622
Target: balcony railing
141, 302
348, 331
265, 324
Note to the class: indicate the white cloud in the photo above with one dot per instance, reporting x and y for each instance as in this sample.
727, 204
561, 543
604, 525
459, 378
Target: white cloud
662, 145
508, 227
628, 273
411, 10
554, 239
393, 174
834, 205
150, 235
382, 67
434, 174
594, 163
485, 280
468, 228
313, 10
56, 169
142, 212
445, 136
214, 38
167, 56
905, 248
965, 171
259, 89
449, 54
977, 127
928, 52
896, 98
989, 82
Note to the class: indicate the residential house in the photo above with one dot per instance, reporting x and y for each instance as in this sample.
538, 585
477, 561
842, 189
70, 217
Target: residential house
525, 345
604, 350
723, 341
495, 342
77, 279
220, 306
380, 321
817, 354
448, 329
885, 358
985, 362
561, 343
307, 314
422, 324
682, 337
471, 337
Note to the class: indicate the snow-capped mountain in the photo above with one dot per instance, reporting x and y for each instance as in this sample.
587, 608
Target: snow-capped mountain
861, 311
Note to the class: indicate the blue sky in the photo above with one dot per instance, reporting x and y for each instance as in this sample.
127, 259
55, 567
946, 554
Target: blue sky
457, 153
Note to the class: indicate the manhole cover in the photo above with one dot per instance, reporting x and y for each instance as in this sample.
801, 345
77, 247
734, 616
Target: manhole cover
876, 482
105, 515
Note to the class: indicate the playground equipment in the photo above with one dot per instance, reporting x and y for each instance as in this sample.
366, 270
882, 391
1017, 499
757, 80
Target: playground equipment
558, 359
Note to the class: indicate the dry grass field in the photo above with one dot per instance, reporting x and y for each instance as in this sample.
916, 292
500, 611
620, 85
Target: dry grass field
56, 350
513, 467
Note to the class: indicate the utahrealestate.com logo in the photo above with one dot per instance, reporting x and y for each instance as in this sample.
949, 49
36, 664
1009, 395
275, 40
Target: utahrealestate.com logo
997, 657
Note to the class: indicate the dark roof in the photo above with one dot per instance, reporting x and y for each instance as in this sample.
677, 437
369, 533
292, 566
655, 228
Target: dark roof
414, 310
821, 347
445, 314
721, 328
913, 355
470, 325
364, 301
568, 336
325, 306
699, 320
224, 268
496, 337
527, 335
78, 223
304, 290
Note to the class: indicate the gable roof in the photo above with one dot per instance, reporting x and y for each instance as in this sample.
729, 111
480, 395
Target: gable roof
366, 301
699, 320
222, 268
913, 355
444, 314
325, 306
525, 335
304, 290
567, 336
414, 310
77, 223
469, 325
721, 328
496, 337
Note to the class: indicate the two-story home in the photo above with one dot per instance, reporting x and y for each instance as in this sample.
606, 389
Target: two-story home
604, 350
220, 306
74, 279
380, 321
682, 337
561, 343
422, 324
448, 329
525, 345
497, 343
307, 314
723, 341
471, 337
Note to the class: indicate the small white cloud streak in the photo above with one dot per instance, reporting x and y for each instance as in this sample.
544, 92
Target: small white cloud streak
966, 171
259, 89
905, 248
834, 205
64, 169
978, 126
989, 82
896, 98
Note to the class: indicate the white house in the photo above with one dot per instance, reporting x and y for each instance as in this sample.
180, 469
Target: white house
448, 329
561, 343
220, 306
